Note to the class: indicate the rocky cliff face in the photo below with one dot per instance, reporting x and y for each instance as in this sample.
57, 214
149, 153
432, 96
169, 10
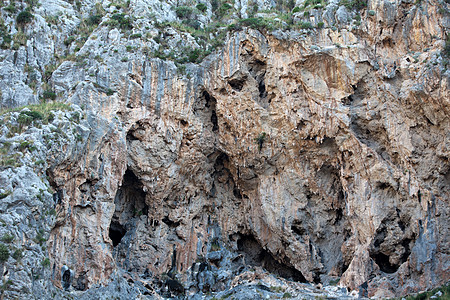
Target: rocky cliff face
286, 158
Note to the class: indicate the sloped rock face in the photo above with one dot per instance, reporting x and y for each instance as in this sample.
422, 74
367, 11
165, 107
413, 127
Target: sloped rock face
315, 155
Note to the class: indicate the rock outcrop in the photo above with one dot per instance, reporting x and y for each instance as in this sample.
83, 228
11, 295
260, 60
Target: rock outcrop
306, 155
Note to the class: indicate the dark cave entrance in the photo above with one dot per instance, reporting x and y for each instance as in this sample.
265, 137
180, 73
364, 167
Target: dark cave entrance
255, 255
381, 255
66, 279
382, 260
116, 233
130, 204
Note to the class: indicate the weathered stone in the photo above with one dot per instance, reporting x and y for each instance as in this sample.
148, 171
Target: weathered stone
308, 155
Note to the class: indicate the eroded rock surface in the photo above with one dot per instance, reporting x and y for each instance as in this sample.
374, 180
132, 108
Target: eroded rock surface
284, 160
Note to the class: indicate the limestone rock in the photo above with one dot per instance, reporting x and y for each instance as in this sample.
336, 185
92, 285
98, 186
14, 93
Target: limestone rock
283, 159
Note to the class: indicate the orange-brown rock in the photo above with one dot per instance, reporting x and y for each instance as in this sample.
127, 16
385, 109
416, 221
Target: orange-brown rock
328, 150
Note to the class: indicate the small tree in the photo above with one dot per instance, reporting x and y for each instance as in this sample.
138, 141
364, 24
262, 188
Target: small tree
4, 253
24, 17
202, 7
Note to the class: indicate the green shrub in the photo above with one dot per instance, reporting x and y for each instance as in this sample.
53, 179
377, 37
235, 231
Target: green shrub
7, 238
26, 145
181, 69
157, 39
235, 26
24, 120
46, 262
257, 23
445, 290
32, 3
121, 21
52, 20
7, 39
24, 17
371, 13
11, 8
52, 212
94, 20
296, 9
289, 5
10, 161
306, 25
49, 94
50, 117
202, 7
194, 55
18, 254
40, 237
39, 162
184, 12
354, 4
19, 39
4, 253
42, 111
33, 114
135, 36
214, 5
320, 25
192, 23
223, 10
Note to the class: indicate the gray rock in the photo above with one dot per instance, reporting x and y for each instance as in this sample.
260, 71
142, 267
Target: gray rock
215, 255
343, 17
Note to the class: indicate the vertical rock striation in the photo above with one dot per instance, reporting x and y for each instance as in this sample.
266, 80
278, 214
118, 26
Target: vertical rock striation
315, 155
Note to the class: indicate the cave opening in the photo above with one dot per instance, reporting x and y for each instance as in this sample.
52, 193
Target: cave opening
255, 255
297, 228
379, 254
129, 205
116, 233
131, 196
237, 84
262, 88
382, 260
170, 223
66, 279
223, 178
